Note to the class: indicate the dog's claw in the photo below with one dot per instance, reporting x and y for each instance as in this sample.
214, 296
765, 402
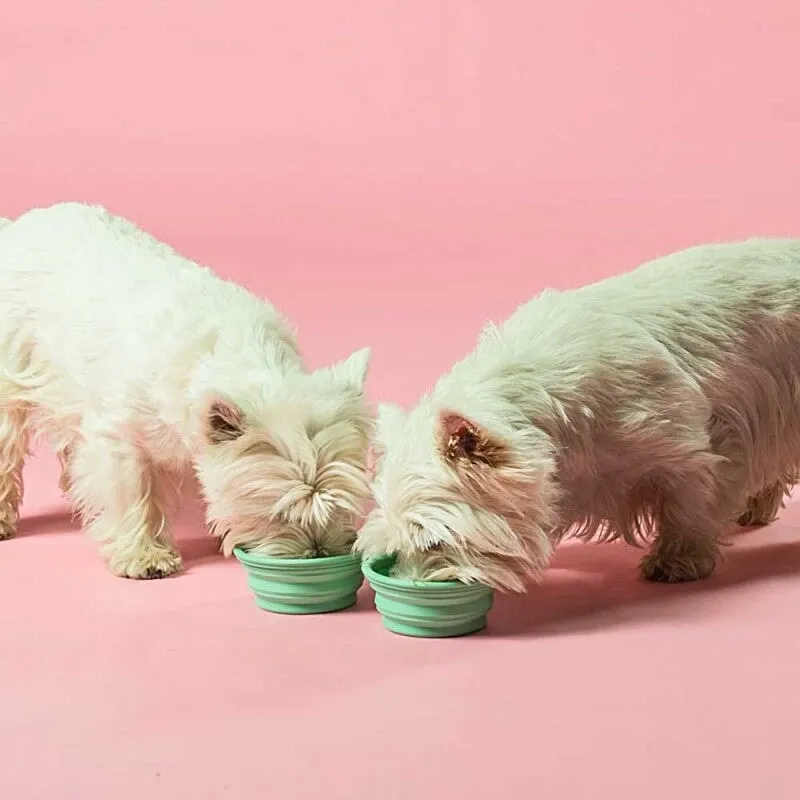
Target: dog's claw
153, 567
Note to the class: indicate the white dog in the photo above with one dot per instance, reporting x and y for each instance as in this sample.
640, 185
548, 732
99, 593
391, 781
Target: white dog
659, 404
139, 365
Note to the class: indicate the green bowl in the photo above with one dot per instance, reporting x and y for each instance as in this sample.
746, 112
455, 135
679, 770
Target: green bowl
429, 609
302, 585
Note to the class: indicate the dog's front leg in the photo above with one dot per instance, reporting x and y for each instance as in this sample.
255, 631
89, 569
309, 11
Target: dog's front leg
689, 524
112, 485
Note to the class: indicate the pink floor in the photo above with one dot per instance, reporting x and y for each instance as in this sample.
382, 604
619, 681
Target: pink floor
596, 685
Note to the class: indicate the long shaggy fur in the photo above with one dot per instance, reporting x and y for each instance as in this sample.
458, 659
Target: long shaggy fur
654, 406
142, 367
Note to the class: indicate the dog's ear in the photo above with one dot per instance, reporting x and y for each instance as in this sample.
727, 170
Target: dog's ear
224, 421
462, 440
353, 370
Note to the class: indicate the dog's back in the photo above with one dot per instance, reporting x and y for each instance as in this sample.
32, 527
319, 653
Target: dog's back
107, 311
94, 287
699, 350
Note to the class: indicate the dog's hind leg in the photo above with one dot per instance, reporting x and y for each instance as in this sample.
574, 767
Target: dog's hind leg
689, 524
13, 449
114, 489
764, 506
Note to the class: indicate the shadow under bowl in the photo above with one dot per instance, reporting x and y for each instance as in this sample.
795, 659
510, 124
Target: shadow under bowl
302, 585
427, 609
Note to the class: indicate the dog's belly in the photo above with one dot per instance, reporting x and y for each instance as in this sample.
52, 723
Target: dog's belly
599, 499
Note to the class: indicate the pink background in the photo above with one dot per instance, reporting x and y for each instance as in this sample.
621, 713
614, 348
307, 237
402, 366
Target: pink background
394, 174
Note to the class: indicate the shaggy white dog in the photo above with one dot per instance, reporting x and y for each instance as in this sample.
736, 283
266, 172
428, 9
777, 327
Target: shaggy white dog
660, 404
139, 365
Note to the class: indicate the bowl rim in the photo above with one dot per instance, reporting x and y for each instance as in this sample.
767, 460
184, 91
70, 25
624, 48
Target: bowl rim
258, 560
378, 579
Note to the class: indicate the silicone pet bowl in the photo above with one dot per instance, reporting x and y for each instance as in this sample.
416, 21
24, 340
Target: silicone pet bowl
302, 585
431, 609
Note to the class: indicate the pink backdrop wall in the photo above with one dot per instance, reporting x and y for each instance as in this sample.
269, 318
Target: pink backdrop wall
392, 173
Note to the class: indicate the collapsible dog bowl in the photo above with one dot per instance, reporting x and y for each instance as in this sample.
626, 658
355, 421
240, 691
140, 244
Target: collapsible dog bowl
429, 609
302, 585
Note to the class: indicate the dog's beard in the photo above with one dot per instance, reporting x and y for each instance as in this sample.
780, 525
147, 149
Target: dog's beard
339, 490
485, 550
443, 564
267, 504
284, 541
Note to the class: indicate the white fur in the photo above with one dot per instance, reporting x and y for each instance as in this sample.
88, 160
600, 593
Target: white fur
140, 366
659, 404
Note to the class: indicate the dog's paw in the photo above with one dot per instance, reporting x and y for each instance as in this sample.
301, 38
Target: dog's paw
660, 569
147, 565
7, 530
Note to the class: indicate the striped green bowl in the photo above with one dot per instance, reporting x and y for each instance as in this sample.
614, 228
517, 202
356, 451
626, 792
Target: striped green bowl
302, 585
428, 609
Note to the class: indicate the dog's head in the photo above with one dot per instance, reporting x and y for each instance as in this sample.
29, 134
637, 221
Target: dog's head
283, 466
461, 499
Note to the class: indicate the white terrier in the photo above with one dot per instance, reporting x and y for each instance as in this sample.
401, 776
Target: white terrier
659, 404
139, 365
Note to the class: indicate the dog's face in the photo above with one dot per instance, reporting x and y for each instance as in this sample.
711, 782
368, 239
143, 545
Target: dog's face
457, 501
284, 468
